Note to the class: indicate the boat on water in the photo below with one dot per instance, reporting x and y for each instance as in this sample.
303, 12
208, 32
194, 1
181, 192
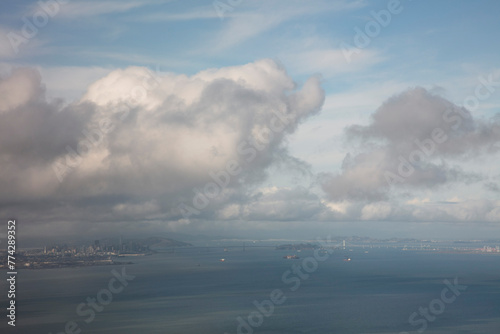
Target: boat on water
347, 259
291, 257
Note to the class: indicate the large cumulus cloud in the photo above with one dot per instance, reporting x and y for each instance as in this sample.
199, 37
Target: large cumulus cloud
139, 142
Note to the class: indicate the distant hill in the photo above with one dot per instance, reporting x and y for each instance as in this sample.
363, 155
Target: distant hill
159, 243
297, 246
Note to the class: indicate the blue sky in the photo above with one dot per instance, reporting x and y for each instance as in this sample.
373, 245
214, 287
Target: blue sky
447, 48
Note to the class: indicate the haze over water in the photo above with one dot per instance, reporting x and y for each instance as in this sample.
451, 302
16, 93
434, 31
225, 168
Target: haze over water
192, 291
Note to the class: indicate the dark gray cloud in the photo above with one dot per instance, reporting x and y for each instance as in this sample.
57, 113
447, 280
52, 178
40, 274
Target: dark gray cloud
492, 186
411, 142
33, 132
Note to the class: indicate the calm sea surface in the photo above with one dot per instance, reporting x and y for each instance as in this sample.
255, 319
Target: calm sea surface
192, 291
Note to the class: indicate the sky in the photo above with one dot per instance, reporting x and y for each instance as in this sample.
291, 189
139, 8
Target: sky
251, 119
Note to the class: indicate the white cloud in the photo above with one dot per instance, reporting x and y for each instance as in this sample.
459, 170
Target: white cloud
19, 89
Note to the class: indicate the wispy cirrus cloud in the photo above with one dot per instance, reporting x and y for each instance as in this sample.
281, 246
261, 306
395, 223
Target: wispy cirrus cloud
257, 17
330, 62
198, 13
85, 9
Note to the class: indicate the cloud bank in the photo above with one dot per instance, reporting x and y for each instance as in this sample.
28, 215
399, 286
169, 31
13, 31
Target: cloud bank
415, 141
138, 143
141, 146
